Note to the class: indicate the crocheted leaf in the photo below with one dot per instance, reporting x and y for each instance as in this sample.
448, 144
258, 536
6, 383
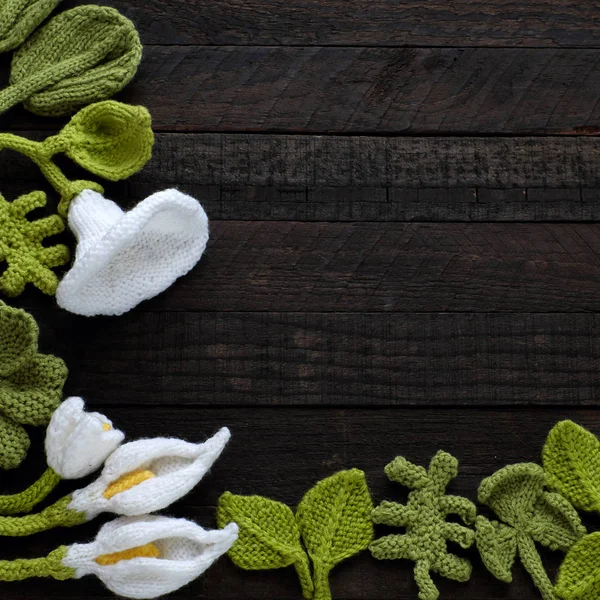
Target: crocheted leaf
81, 56
407, 474
21, 246
18, 18
268, 538
579, 575
335, 518
497, 545
18, 339
512, 492
14, 443
571, 458
110, 139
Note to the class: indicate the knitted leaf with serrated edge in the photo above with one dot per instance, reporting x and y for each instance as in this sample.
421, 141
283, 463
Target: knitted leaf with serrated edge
579, 575
424, 517
333, 518
21, 247
517, 495
571, 459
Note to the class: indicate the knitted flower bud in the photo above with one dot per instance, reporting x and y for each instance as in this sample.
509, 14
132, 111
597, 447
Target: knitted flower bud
18, 18
146, 557
148, 475
78, 442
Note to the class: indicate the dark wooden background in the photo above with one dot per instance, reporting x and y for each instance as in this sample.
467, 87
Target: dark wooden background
405, 255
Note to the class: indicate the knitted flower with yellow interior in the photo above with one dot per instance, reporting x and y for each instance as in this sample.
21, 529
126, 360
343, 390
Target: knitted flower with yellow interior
530, 514
30, 384
141, 557
81, 56
333, 520
424, 518
18, 18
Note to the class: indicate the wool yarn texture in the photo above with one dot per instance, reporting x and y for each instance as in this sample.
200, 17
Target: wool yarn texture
123, 258
332, 523
424, 518
30, 384
81, 56
18, 19
528, 514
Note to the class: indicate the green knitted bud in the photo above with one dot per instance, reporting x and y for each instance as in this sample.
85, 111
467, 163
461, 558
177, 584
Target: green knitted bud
18, 18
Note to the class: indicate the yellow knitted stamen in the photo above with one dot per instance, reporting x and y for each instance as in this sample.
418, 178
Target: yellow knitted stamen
106, 427
145, 551
126, 482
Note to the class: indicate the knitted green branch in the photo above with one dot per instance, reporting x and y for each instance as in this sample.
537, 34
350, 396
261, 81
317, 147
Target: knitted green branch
21, 247
30, 384
531, 514
25, 501
18, 18
49, 566
333, 520
424, 517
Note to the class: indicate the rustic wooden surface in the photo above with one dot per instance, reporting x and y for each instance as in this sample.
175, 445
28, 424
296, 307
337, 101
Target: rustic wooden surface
405, 255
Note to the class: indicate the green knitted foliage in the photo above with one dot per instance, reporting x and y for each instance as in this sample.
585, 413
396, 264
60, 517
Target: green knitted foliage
424, 518
18, 18
82, 55
30, 384
27, 259
531, 514
49, 566
579, 574
333, 520
571, 459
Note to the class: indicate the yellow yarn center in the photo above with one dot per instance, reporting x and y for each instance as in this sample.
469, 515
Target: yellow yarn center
106, 427
145, 551
127, 481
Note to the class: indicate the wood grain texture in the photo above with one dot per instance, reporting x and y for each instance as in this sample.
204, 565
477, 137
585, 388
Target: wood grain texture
282, 453
351, 22
212, 359
369, 90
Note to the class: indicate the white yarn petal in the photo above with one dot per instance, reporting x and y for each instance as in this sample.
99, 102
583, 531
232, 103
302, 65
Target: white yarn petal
123, 258
186, 550
175, 466
78, 442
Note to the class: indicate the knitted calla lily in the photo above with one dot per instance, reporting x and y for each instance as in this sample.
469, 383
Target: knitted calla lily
30, 383
18, 18
78, 442
148, 475
143, 557
81, 56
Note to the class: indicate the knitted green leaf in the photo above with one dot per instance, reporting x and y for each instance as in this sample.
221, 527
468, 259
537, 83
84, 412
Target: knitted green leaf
110, 139
571, 459
14, 443
269, 537
80, 56
579, 574
21, 247
18, 18
18, 339
335, 522
497, 545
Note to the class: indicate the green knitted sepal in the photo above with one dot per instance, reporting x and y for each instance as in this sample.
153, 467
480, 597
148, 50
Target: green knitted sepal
49, 566
425, 519
332, 523
18, 19
531, 515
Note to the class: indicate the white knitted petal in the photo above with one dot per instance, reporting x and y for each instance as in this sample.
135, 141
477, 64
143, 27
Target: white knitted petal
125, 258
177, 467
186, 551
78, 442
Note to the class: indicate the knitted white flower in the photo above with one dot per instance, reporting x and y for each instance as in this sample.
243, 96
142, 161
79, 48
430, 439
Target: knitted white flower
78, 442
148, 556
148, 475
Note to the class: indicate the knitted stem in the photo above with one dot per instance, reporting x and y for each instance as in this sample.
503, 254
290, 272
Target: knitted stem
26, 500
57, 515
303, 570
50, 566
321, 580
533, 564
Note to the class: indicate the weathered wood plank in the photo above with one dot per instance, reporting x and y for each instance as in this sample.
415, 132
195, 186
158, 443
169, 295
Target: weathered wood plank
280, 454
369, 90
381, 22
204, 359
